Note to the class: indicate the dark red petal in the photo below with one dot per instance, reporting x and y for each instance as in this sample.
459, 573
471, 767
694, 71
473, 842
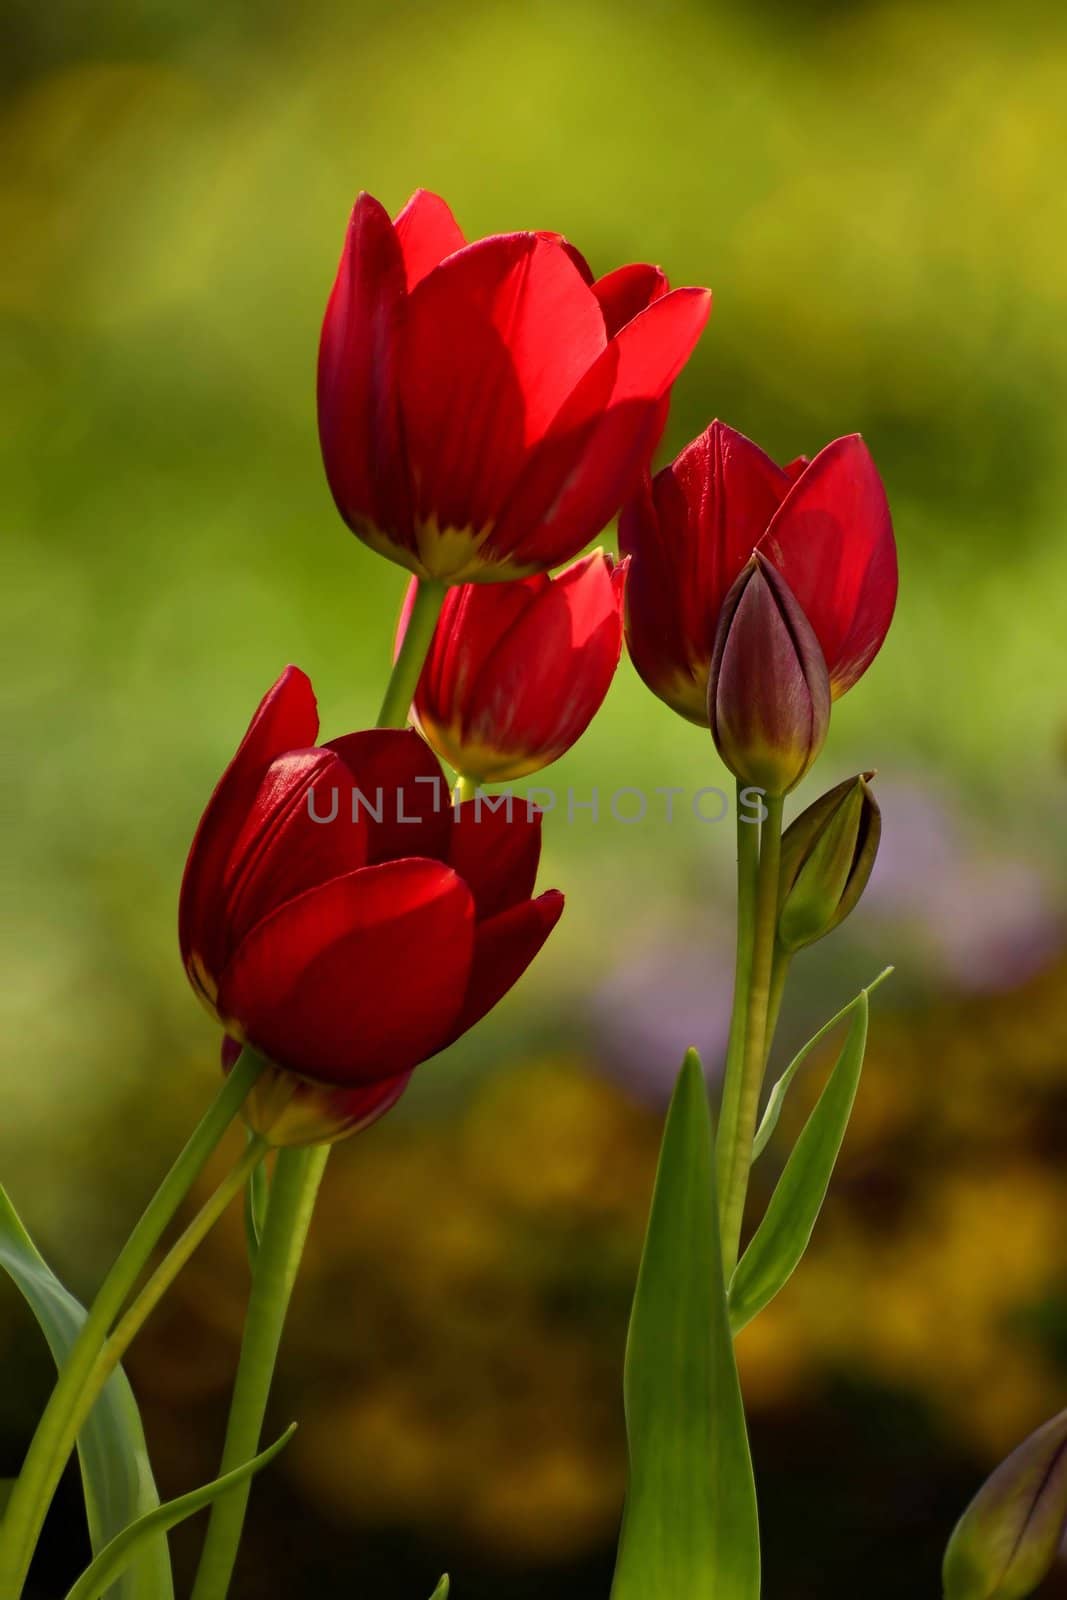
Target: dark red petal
690, 534
832, 540
549, 674
794, 468
628, 290
358, 395
301, 830
358, 980
496, 845
474, 619
503, 949
601, 441
311, 1113
428, 232
768, 691
496, 337
286, 719
403, 793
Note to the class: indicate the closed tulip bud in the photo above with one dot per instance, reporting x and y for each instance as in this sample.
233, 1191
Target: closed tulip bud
1009, 1536
769, 691
517, 671
827, 857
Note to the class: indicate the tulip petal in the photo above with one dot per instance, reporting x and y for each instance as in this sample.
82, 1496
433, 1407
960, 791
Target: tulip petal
832, 539
628, 290
496, 338
504, 946
301, 830
599, 444
473, 621
402, 792
428, 232
547, 678
286, 719
359, 411
358, 980
496, 845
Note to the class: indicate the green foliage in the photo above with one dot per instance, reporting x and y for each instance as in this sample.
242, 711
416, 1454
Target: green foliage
442, 1590
117, 1556
782, 1236
690, 1526
116, 1475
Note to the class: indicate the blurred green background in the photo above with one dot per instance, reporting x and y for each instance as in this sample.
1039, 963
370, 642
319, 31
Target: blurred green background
875, 194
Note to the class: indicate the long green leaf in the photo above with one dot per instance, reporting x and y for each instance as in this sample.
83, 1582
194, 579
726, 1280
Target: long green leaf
782, 1237
441, 1592
115, 1558
776, 1098
691, 1528
116, 1475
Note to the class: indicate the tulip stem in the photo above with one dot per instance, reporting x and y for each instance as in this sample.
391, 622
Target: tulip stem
414, 648
292, 1198
466, 788
55, 1436
747, 873
757, 1016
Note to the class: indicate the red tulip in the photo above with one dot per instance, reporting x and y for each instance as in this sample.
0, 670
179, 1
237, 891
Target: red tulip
768, 690
824, 525
341, 919
517, 671
484, 409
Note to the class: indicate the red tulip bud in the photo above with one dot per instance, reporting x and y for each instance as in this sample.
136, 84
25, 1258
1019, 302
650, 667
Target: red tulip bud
827, 857
769, 691
517, 671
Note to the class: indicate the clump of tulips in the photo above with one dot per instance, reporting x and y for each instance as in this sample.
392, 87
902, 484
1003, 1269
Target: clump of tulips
350, 908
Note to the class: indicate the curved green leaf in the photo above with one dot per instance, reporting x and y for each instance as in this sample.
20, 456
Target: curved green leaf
782, 1237
116, 1474
776, 1099
115, 1558
691, 1526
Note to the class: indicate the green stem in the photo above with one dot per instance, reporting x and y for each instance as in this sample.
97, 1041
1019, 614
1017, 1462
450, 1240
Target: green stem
755, 1052
407, 668
466, 788
783, 960
54, 1439
292, 1198
289, 1207
134, 1318
747, 870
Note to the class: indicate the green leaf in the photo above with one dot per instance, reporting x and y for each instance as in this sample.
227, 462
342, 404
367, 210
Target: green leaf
116, 1475
691, 1527
782, 1237
115, 1558
6, 1486
776, 1099
441, 1592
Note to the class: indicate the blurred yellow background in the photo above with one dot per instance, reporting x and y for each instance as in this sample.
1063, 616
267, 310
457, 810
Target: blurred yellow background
875, 194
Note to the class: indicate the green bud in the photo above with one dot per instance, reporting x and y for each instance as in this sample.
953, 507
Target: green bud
1009, 1536
827, 856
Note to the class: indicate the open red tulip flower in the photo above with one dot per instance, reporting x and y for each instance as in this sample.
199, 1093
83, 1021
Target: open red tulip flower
517, 671
341, 918
484, 409
824, 525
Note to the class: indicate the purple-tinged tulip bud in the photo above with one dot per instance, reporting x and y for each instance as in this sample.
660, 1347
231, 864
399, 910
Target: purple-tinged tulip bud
827, 857
1009, 1536
769, 691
